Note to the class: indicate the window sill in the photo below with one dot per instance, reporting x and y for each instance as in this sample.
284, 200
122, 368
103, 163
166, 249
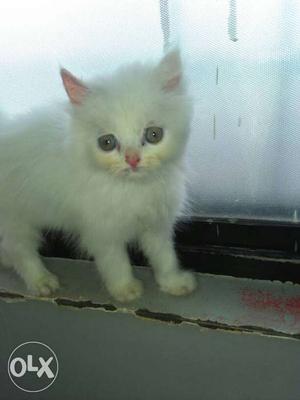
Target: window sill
220, 302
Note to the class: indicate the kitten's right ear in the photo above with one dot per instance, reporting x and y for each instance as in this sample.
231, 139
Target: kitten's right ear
76, 90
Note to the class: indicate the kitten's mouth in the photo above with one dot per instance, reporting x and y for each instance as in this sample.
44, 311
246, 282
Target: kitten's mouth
131, 170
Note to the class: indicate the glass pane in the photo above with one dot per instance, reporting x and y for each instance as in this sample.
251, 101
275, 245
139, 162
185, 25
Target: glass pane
244, 151
88, 37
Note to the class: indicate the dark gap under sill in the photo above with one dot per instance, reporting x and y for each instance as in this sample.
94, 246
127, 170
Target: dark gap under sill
241, 248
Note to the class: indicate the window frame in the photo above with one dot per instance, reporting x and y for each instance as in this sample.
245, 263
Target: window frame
234, 247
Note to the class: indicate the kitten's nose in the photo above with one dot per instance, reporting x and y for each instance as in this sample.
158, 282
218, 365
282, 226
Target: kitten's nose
132, 158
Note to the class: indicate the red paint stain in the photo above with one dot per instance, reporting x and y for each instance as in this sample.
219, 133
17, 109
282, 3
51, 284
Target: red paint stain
285, 307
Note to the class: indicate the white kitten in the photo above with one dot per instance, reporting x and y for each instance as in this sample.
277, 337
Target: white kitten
109, 168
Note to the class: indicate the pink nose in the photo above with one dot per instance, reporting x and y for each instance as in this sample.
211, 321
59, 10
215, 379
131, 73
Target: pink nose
132, 159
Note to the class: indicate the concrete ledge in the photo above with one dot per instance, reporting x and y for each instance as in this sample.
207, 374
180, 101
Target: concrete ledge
225, 302
231, 339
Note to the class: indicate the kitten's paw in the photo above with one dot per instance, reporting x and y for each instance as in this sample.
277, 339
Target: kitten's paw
44, 284
178, 283
127, 291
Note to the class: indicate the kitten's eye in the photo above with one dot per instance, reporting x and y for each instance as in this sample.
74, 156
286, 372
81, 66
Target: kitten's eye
154, 134
107, 142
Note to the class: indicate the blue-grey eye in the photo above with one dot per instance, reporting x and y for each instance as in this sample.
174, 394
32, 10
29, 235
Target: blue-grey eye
153, 134
107, 142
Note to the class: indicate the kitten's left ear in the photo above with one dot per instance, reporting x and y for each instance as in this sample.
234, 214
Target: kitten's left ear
170, 71
76, 90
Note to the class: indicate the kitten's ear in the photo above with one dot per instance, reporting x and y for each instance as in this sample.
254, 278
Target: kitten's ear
76, 90
170, 71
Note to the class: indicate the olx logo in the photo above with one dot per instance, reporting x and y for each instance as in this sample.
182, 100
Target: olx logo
33, 366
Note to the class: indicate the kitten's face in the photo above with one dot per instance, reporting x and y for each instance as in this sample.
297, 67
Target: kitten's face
136, 122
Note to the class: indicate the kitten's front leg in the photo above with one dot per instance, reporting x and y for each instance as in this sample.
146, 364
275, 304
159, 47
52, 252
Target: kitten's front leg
19, 251
113, 264
159, 249
114, 267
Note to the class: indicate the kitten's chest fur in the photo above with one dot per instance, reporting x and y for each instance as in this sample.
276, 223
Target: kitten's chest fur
128, 208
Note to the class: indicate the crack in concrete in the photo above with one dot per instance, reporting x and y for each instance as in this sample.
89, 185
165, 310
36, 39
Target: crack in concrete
164, 317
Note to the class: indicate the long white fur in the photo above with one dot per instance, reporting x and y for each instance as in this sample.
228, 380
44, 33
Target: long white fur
53, 174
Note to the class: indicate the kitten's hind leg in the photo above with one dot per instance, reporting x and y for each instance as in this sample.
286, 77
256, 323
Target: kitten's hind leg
19, 251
